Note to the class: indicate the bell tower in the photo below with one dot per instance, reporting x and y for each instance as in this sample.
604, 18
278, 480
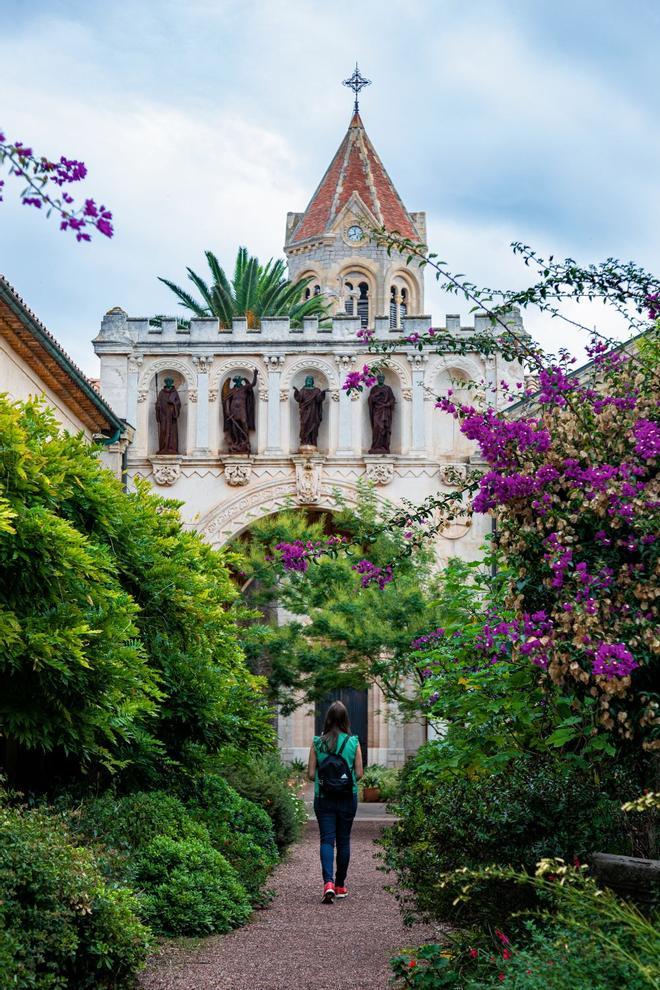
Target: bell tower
330, 241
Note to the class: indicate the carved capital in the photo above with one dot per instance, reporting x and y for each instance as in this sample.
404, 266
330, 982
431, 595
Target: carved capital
274, 361
142, 395
284, 395
344, 361
135, 362
417, 360
406, 394
452, 475
237, 471
166, 470
380, 472
334, 395
213, 394
203, 363
192, 395
263, 394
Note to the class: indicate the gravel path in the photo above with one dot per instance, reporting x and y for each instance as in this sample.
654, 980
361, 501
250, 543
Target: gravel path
284, 946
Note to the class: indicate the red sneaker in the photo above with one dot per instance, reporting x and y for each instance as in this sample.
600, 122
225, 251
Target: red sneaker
328, 893
341, 892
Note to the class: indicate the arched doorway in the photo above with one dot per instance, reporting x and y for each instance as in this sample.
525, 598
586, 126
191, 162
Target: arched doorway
356, 702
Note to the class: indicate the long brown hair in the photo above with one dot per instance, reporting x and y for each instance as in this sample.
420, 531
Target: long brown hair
336, 721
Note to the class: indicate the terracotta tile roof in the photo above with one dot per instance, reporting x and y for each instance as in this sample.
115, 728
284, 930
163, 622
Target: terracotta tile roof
29, 338
357, 168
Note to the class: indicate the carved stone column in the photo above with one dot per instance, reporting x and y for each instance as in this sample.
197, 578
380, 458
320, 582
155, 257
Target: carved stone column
203, 364
417, 362
135, 363
274, 363
344, 437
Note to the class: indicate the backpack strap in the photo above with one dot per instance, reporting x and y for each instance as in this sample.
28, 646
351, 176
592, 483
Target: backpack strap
340, 750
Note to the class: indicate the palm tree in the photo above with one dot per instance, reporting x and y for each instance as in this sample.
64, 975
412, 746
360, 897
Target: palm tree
255, 291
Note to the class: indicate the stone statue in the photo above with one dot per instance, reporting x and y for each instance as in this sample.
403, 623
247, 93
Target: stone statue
381, 414
310, 402
238, 413
168, 410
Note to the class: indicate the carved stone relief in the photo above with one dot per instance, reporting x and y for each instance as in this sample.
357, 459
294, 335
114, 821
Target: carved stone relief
166, 470
380, 472
237, 471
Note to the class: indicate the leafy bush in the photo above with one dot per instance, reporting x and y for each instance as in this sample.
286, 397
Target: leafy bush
239, 829
263, 780
189, 888
583, 938
384, 778
111, 611
215, 815
61, 925
530, 810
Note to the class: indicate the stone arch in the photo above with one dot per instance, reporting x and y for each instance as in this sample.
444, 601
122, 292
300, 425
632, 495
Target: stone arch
230, 518
313, 364
403, 277
448, 441
236, 364
168, 364
185, 380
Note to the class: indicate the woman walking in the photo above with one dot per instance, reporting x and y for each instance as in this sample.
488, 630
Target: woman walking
335, 766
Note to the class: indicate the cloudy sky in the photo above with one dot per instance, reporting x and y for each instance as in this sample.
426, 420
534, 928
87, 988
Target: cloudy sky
202, 122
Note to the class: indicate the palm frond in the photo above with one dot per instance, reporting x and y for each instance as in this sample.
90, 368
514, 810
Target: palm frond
185, 299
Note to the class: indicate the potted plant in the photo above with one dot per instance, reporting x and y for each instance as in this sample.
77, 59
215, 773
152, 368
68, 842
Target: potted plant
371, 781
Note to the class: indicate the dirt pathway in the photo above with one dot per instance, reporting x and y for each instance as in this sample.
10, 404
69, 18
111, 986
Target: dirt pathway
298, 943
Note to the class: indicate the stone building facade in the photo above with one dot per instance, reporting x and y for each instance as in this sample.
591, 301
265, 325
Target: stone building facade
223, 493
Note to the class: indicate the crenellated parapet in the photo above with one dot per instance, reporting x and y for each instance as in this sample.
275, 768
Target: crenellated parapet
127, 332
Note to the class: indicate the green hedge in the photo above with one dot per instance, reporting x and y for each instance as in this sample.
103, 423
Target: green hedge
531, 810
62, 925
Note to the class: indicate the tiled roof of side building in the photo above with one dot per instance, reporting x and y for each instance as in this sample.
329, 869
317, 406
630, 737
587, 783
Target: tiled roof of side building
357, 168
28, 336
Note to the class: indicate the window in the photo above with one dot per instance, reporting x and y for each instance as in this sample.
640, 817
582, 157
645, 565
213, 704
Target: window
363, 304
403, 305
317, 289
348, 305
394, 320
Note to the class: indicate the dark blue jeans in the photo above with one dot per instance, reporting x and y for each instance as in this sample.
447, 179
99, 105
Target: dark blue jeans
335, 817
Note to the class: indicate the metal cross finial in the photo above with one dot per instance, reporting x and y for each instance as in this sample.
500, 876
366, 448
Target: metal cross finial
356, 82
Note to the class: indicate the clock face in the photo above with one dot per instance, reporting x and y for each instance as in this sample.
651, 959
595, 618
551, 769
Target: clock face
355, 232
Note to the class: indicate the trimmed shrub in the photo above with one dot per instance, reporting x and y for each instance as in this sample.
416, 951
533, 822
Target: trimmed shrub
263, 780
532, 810
189, 888
61, 925
239, 829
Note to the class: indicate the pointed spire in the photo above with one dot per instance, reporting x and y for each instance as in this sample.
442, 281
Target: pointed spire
355, 168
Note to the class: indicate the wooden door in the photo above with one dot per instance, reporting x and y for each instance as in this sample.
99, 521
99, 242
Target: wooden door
356, 703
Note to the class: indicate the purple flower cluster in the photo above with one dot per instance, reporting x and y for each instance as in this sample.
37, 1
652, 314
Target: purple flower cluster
500, 440
653, 303
358, 379
554, 386
647, 438
422, 642
613, 660
39, 172
365, 335
296, 556
372, 574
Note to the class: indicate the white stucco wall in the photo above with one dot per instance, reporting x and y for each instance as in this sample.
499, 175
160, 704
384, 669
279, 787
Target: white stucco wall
20, 382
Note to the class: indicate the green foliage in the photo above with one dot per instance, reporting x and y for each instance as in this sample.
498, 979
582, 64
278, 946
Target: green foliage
262, 779
62, 927
214, 815
189, 888
118, 628
342, 635
532, 809
239, 829
579, 937
488, 706
254, 291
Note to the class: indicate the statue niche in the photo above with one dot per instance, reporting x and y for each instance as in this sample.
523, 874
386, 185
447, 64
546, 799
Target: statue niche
310, 404
238, 413
381, 414
168, 410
